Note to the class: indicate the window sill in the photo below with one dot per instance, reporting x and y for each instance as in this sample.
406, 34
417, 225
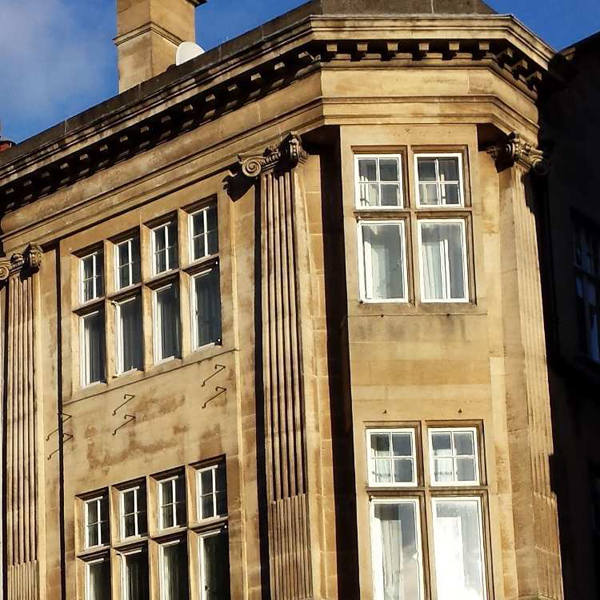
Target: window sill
373, 308
95, 552
209, 524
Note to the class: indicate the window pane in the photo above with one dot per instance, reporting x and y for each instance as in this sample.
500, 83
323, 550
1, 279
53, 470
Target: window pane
92, 536
388, 168
367, 169
450, 193
442, 261
380, 444
403, 471
208, 308
167, 308
128, 502
98, 584
92, 512
168, 516
442, 444
458, 550
449, 169
213, 234
130, 331
465, 469
426, 169
402, 444
464, 443
215, 567
208, 510
443, 470
167, 492
129, 525
142, 517
92, 276
396, 551
93, 348
136, 576
383, 253
174, 572
206, 481
428, 194
390, 195
382, 470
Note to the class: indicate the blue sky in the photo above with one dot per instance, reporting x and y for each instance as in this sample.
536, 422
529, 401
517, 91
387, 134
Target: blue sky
57, 57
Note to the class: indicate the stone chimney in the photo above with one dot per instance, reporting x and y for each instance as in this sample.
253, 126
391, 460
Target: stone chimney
148, 33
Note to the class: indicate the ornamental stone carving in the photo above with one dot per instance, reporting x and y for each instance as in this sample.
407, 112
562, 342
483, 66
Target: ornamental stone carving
515, 150
28, 261
287, 154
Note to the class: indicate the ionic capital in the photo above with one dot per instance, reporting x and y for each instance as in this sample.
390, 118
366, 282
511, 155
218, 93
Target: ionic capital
514, 150
287, 154
19, 263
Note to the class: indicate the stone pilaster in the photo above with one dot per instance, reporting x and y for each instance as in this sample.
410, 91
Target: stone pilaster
281, 209
21, 503
527, 391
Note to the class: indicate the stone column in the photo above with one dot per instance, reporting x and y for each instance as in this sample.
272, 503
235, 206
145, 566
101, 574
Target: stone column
527, 390
21, 503
283, 395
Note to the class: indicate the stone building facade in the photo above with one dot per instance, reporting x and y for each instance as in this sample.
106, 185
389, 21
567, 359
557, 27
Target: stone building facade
273, 320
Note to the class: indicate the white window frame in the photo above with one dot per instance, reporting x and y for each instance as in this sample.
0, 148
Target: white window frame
466, 297
170, 267
451, 430
162, 564
88, 564
438, 182
370, 460
98, 525
158, 358
213, 469
84, 366
194, 306
441, 499
119, 335
363, 269
130, 242
400, 182
94, 279
136, 504
173, 481
400, 500
201, 562
124, 554
204, 211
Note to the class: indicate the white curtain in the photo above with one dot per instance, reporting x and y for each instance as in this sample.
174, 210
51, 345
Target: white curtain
383, 261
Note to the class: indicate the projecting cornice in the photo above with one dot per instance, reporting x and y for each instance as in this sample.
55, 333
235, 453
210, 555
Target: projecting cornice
231, 76
21, 263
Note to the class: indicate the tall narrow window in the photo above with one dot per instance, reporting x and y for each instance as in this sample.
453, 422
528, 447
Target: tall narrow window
212, 494
443, 260
207, 308
392, 457
166, 323
92, 276
129, 334
174, 583
383, 260
96, 522
458, 546
97, 579
439, 180
397, 557
135, 575
214, 565
92, 348
379, 181
133, 512
127, 256
204, 232
171, 498
164, 247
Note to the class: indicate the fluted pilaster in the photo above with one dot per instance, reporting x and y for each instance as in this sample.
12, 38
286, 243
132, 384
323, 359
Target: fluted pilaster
21, 502
283, 390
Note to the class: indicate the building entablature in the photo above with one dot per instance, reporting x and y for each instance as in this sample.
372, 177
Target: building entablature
225, 79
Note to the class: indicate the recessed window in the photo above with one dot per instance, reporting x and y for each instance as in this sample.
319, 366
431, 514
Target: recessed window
92, 348
391, 457
127, 257
134, 566
92, 276
166, 323
396, 550
212, 495
171, 499
174, 583
96, 522
206, 308
133, 512
439, 180
97, 579
164, 248
383, 261
454, 456
129, 334
204, 232
443, 260
378, 181
214, 565
458, 543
